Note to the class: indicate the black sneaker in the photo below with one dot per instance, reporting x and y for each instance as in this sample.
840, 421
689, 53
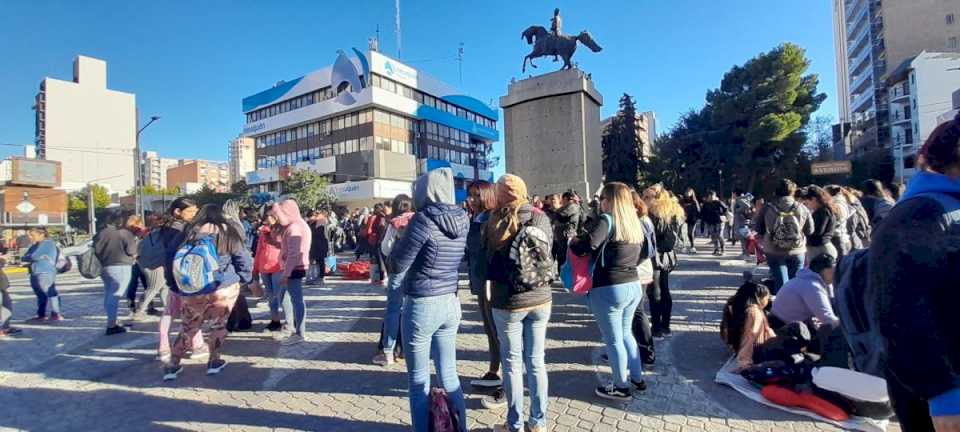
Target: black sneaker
497, 400
667, 333
658, 335
605, 358
489, 379
216, 366
115, 330
639, 385
274, 326
613, 392
170, 372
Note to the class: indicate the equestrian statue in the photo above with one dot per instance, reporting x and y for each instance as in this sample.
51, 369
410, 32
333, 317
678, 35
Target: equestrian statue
554, 43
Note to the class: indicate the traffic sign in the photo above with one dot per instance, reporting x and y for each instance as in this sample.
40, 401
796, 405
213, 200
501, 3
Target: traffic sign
830, 168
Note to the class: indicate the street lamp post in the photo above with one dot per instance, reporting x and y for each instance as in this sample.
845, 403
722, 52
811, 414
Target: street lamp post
138, 168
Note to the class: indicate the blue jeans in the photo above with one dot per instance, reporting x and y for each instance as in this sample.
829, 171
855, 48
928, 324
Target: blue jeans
391, 317
613, 307
271, 290
294, 307
783, 268
45, 287
116, 278
430, 325
522, 338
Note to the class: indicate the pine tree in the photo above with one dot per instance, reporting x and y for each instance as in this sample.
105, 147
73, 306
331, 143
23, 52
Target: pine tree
622, 146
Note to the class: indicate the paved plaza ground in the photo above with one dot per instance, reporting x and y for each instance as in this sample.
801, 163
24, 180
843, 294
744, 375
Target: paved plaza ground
69, 376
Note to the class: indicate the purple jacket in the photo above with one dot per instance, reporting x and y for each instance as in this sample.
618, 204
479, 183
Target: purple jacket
295, 245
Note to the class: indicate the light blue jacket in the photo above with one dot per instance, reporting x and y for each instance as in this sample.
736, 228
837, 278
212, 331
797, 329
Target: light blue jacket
42, 257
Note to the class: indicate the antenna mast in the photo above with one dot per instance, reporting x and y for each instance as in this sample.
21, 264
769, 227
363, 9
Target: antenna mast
397, 23
460, 61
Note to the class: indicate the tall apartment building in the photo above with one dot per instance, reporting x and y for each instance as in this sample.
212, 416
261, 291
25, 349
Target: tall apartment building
243, 158
919, 91
192, 175
90, 129
877, 37
646, 124
155, 169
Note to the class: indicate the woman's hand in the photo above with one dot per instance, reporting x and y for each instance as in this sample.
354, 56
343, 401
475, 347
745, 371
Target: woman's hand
947, 423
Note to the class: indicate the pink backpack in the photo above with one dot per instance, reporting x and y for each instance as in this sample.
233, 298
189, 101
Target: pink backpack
577, 272
442, 416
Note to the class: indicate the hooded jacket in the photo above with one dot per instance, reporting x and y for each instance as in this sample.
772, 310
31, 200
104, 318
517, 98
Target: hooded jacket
267, 260
433, 246
914, 266
804, 297
768, 218
295, 245
500, 266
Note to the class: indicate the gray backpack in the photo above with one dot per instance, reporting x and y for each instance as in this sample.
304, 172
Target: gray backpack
787, 230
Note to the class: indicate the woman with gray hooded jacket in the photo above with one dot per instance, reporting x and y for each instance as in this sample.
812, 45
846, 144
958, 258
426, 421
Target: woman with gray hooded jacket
429, 254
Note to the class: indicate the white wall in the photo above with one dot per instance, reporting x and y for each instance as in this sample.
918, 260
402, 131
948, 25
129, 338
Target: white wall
90, 129
935, 84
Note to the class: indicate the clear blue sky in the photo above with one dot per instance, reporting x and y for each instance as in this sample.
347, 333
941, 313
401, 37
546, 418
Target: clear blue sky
192, 62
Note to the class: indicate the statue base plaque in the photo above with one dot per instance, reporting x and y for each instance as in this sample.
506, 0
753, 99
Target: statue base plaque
552, 133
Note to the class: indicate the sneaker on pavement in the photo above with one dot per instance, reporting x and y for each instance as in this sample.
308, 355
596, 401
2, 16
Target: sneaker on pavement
216, 366
274, 326
115, 330
9, 331
384, 359
292, 340
658, 335
497, 400
152, 311
667, 333
55, 317
489, 379
612, 392
36, 319
639, 385
170, 372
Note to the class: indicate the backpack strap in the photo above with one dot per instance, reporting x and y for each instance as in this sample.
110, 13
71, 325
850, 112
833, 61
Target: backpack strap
603, 247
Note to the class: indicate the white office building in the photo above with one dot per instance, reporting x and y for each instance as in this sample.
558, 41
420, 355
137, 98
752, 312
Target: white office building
920, 90
373, 124
90, 129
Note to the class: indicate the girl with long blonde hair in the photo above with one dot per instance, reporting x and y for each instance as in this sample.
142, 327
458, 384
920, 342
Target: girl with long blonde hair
615, 243
668, 218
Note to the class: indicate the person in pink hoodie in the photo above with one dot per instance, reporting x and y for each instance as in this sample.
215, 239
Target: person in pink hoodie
295, 259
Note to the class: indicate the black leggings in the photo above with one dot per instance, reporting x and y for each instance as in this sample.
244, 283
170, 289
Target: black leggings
691, 227
661, 302
493, 344
644, 336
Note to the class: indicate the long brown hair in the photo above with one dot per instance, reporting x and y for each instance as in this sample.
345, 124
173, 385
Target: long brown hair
505, 218
486, 196
822, 197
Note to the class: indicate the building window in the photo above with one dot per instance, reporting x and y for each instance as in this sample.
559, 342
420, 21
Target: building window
950, 19
952, 42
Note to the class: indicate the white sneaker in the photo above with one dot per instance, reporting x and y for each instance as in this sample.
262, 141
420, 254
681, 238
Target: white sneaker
384, 359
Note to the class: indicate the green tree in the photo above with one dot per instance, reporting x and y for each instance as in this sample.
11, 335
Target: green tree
819, 134
240, 187
153, 190
309, 188
77, 215
622, 146
752, 127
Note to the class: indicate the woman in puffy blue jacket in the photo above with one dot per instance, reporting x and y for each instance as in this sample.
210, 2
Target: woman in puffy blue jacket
42, 257
430, 253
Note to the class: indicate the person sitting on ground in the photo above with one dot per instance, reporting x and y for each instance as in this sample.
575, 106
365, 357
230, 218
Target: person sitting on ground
806, 298
746, 330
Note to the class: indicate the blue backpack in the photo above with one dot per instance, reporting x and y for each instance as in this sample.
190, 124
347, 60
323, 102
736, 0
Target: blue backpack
855, 297
196, 267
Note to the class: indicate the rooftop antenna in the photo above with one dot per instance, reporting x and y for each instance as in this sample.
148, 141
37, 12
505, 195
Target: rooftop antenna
460, 61
397, 23
375, 41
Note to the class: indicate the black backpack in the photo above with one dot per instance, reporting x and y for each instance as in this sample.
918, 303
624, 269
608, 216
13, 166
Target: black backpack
532, 254
669, 236
89, 264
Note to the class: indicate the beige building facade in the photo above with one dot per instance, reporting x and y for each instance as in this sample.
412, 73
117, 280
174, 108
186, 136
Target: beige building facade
192, 175
243, 158
155, 169
90, 129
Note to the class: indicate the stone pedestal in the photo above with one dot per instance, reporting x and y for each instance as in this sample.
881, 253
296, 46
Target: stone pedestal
552, 133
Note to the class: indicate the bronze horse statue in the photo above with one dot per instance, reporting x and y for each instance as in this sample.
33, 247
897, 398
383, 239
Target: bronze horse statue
546, 44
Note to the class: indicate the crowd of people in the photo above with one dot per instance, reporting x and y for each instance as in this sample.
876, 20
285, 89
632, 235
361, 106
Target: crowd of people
196, 259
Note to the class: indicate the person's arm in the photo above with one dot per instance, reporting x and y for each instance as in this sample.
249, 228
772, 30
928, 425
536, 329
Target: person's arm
752, 327
818, 302
130, 243
592, 240
293, 256
913, 269
404, 252
243, 265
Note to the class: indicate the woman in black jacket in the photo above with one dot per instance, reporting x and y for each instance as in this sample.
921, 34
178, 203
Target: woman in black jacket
825, 213
914, 266
482, 199
615, 243
691, 209
667, 217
